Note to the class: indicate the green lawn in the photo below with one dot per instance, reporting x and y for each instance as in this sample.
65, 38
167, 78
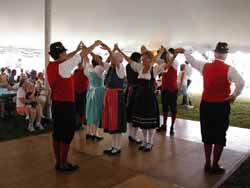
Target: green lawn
240, 111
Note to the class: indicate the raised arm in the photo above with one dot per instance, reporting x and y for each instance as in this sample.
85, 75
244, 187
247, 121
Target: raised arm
111, 55
123, 54
198, 65
85, 51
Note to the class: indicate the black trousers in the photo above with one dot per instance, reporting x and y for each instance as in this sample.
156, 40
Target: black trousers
214, 121
63, 114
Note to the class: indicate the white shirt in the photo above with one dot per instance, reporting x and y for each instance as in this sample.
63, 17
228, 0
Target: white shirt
188, 70
184, 82
20, 94
175, 64
138, 67
233, 74
66, 68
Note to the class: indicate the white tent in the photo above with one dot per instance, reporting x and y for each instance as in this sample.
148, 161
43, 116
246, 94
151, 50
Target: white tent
132, 22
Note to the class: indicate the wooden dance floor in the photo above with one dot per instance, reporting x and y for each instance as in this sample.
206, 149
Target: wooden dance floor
174, 162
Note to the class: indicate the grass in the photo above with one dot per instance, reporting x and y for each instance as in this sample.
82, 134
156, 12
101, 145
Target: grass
240, 111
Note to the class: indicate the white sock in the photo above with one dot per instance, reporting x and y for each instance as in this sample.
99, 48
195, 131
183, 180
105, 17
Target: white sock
130, 130
113, 140
145, 135
151, 133
135, 132
119, 140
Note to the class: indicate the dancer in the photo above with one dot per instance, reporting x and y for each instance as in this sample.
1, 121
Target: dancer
169, 93
81, 88
114, 112
95, 95
215, 104
146, 111
60, 79
132, 84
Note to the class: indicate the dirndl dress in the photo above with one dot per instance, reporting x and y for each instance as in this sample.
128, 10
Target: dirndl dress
94, 104
114, 109
146, 110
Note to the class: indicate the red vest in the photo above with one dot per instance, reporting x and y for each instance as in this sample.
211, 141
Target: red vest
62, 89
169, 80
81, 81
215, 82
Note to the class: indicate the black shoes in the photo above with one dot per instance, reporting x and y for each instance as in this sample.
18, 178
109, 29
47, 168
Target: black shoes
93, 137
163, 128
68, 167
216, 169
112, 151
172, 130
146, 147
207, 168
134, 141
212, 170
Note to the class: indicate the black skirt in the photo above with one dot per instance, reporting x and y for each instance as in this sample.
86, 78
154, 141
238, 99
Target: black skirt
146, 110
80, 101
214, 120
130, 101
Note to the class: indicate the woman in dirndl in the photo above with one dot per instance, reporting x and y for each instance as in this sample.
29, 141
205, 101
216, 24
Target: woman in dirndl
95, 96
114, 109
132, 84
146, 110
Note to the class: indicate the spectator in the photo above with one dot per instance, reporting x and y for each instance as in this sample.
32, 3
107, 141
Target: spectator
12, 80
3, 78
24, 99
33, 77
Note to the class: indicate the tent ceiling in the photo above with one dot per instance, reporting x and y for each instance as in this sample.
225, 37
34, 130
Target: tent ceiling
131, 22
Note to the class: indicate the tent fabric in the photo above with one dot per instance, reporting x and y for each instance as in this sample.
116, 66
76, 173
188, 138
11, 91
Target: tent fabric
198, 23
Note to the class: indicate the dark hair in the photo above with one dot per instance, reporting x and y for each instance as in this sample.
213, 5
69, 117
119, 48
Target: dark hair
171, 50
94, 62
135, 56
55, 56
21, 82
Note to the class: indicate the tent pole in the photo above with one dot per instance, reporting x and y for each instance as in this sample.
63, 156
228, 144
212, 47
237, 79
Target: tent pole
47, 38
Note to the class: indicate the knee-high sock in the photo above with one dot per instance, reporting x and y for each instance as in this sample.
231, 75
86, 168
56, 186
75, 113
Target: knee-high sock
135, 132
113, 140
145, 135
118, 141
165, 118
57, 153
64, 152
217, 153
173, 119
130, 129
151, 133
208, 151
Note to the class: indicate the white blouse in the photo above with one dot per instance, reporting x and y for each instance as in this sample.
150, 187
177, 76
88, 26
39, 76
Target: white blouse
138, 67
99, 70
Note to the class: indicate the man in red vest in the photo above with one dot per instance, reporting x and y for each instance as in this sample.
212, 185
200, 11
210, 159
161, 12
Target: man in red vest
61, 82
169, 93
215, 103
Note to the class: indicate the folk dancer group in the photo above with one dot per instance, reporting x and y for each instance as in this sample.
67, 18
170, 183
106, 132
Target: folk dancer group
109, 107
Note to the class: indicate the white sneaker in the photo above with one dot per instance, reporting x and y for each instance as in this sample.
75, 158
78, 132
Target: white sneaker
39, 126
31, 128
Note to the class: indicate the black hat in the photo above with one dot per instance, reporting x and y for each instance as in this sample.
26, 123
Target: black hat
56, 48
222, 47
